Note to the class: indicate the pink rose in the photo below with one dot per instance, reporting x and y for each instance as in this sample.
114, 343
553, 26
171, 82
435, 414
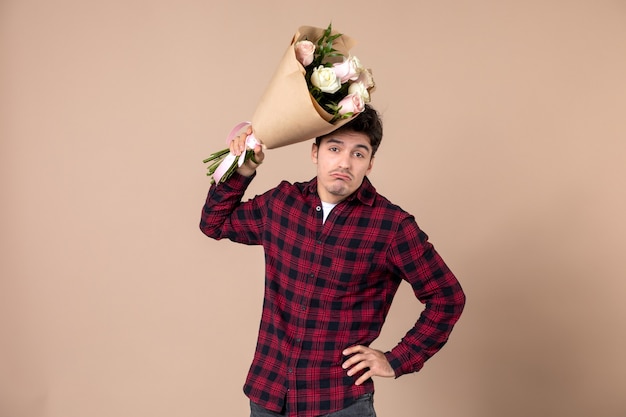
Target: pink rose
305, 51
348, 69
352, 103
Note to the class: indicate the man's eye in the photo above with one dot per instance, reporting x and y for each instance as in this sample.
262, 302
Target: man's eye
334, 149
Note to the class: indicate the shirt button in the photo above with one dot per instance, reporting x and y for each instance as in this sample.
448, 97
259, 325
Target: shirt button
298, 340
318, 208
289, 371
303, 308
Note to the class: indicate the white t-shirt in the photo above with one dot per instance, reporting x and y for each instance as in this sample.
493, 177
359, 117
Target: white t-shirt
327, 207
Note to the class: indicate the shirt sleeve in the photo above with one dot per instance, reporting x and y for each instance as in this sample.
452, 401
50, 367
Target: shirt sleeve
224, 215
416, 260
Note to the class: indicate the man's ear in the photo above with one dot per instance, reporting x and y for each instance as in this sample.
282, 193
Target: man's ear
314, 150
371, 166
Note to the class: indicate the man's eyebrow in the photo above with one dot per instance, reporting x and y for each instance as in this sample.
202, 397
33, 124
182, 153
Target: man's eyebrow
340, 142
334, 140
360, 145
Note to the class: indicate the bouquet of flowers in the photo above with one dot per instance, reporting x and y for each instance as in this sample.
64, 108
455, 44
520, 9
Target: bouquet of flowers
317, 87
339, 84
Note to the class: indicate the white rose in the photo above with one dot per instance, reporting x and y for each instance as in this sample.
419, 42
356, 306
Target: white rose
365, 77
360, 89
325, 79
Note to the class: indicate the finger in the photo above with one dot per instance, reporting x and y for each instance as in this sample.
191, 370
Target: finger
371, 369
235, 146
242, 142
258, 157
367, 375
353, 349
238, 144
358, 367
352, 361
357, 351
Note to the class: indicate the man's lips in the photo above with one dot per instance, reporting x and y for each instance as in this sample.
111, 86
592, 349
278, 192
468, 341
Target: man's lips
341, 176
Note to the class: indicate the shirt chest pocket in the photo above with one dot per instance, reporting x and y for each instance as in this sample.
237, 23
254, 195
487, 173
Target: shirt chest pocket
351, 268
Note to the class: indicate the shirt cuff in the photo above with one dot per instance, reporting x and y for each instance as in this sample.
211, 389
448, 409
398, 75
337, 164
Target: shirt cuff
236, 182
402, 366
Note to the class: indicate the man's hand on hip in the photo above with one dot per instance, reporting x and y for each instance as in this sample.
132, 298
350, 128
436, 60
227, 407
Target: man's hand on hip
373, 361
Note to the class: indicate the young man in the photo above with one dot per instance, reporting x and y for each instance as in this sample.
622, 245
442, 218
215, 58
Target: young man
336, 252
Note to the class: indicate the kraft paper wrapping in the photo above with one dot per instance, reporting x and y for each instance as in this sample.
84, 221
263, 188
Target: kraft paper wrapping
286, 113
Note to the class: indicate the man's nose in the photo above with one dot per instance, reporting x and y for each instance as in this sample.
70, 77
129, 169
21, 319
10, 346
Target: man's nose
344, 160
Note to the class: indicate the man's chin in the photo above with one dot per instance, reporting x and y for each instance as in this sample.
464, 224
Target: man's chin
339, 190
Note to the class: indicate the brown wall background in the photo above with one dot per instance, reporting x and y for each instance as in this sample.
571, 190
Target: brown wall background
504, 135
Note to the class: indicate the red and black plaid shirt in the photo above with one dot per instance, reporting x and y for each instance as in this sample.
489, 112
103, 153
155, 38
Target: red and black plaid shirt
329, 286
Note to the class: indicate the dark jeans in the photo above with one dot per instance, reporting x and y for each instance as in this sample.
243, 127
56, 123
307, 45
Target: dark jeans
363, 407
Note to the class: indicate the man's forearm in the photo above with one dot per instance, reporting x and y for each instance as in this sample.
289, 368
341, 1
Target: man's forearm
221, 201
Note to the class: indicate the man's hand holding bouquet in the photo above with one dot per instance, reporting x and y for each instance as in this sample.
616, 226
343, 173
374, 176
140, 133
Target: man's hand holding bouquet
317, 87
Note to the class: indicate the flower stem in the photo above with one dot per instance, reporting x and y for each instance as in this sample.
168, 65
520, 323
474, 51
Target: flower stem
216, 155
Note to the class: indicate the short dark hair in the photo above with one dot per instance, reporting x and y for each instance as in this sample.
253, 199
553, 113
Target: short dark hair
368, 122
